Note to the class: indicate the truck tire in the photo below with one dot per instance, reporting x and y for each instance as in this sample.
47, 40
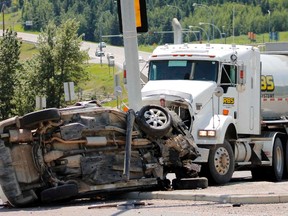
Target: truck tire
32, 120
154, 120
286, 162
275, 172
277, 168
220, 164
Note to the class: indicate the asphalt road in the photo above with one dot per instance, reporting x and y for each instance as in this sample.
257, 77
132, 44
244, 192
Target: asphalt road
241, 196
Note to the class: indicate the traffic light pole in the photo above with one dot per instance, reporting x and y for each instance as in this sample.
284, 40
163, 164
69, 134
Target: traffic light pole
131, 54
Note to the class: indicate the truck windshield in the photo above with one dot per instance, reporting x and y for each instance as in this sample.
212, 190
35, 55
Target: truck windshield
183, 69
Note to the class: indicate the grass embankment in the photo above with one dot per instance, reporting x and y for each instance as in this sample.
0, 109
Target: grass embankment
100, 84
27, 51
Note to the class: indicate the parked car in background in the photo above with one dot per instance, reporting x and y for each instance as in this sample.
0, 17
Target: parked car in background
141, 59
102, 44
99, 53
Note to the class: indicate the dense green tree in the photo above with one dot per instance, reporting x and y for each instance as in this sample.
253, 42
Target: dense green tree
60, 60
9, 65
40, 12
25, 92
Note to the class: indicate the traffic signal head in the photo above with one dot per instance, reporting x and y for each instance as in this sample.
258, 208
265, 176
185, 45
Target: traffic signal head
140, 16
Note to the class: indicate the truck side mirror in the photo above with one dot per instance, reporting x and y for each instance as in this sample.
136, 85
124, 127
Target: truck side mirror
218, 91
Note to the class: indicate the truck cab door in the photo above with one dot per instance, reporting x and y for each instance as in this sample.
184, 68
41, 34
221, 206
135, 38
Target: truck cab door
240, 98
229, 99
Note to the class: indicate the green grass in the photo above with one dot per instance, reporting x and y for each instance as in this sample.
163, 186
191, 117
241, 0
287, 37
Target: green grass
27, 51
100, 81
147, 48
100, 84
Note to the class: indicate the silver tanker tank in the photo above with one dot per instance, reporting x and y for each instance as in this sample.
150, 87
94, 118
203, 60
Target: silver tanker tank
274, 86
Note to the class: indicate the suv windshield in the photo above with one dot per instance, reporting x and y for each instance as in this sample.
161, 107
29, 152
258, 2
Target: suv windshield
183, 69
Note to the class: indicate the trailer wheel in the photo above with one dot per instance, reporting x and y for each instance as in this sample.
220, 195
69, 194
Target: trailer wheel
32, 120
154, 120
221, 164
277, 168
275, 172
286, 161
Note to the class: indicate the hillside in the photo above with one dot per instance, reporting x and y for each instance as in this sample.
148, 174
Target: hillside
220, 17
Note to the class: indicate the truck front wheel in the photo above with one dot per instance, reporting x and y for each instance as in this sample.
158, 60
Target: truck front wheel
221, 163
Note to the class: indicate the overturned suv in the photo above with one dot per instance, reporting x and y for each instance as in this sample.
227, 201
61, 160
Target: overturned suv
61, 154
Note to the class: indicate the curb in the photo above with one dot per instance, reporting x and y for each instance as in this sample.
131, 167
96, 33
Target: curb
188, 195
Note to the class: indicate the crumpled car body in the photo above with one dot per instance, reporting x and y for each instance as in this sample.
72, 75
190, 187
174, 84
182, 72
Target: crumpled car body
62, 154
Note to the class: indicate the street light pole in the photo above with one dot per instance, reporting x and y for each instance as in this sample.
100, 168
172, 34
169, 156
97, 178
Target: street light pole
269, 25
207, 36
131, 56
189, 31
3, 16
210, 14
224, 33
201, 23
100, 31
177, 9
100, 44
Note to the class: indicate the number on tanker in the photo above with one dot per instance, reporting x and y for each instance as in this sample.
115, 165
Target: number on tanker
267, 83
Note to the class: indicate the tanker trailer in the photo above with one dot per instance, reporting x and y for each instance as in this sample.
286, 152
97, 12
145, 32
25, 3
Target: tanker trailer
233, 101
274, 86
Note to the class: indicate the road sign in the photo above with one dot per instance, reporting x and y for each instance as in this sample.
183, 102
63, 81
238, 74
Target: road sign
40, 102
111, 62
29, 23
118, 91
69, 91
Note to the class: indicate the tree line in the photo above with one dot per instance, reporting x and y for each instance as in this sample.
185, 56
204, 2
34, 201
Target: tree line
100, 17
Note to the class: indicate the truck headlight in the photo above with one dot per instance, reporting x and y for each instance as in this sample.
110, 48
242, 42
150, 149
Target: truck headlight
206, 133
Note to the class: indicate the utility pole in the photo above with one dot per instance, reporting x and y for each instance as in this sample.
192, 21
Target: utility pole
3, 16
269, 13
131, 54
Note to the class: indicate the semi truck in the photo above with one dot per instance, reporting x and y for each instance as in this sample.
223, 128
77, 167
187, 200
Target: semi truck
233, 100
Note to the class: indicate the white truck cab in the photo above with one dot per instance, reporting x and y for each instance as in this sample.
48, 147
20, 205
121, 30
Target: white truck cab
216, 91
